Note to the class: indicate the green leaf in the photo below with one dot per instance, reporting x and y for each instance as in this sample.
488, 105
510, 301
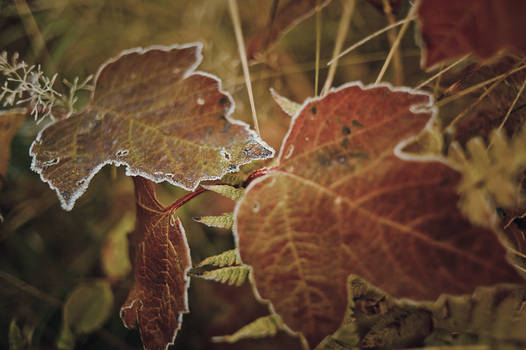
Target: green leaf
224, 220
267, 326
88, 307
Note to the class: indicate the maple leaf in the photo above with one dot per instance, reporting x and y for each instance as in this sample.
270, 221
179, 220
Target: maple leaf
161, 260
10, 122
342, 201
451, 29
283, 20
153, 113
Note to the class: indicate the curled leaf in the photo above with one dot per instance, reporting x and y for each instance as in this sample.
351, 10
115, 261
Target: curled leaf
152, 112
158, 298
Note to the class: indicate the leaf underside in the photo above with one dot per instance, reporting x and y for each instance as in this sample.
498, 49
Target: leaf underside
151, 112
161, 260
342, 202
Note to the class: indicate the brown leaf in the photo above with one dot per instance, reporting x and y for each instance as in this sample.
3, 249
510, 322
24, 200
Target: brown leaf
342, 202
451, 29
153, 113
286, 18
161, 259
10, 122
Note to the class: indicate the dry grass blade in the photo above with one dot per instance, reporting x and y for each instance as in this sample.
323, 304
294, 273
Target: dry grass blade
442, 71
343, 28
395, 45
370, 37
234, 12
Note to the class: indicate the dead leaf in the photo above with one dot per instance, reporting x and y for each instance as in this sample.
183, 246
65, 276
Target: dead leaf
342, 202
285, 18
451, 29
10, 121
152, 112
161, 260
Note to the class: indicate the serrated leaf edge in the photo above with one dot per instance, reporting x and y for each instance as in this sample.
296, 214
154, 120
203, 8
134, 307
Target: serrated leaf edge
68, 205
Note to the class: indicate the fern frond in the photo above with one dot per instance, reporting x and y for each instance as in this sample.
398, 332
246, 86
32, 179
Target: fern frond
233, 275
227, 191
267, 326
225, 220
227, 258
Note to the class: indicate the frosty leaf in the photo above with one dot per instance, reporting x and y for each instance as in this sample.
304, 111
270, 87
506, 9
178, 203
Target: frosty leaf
286, 17
490, 316
228, 258
231, 192
451, 29
221, 221
288, 106
232, 275
10, 122
161, 259
266, 326
88, 307
152, 112
342, 202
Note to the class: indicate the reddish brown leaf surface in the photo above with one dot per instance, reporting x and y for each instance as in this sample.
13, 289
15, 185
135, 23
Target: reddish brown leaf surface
450, 29
10, 122
153, 113
284, 19
342, 202
161, 259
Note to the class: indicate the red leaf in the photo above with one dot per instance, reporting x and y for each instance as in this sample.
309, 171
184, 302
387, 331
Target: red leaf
153, 113
286, 18
161, 259
342, 202
451, 29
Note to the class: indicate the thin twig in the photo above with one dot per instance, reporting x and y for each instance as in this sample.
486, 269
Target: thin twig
234, 13
343, 28
391, 36
478, 86
442, 71
318, 48
513, 104
395, 44
476, 102
369, 37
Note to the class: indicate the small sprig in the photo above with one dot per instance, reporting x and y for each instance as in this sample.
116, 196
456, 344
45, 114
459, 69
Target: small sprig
27, 85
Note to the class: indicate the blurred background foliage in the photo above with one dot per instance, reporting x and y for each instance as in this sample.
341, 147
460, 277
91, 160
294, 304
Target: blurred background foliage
47, 253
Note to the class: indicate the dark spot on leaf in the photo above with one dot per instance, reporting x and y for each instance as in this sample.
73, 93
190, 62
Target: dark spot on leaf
346, 130
222, 116
345, 142
500, 212
231, 168
357, 124
223, 100
324, 160
314, 110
